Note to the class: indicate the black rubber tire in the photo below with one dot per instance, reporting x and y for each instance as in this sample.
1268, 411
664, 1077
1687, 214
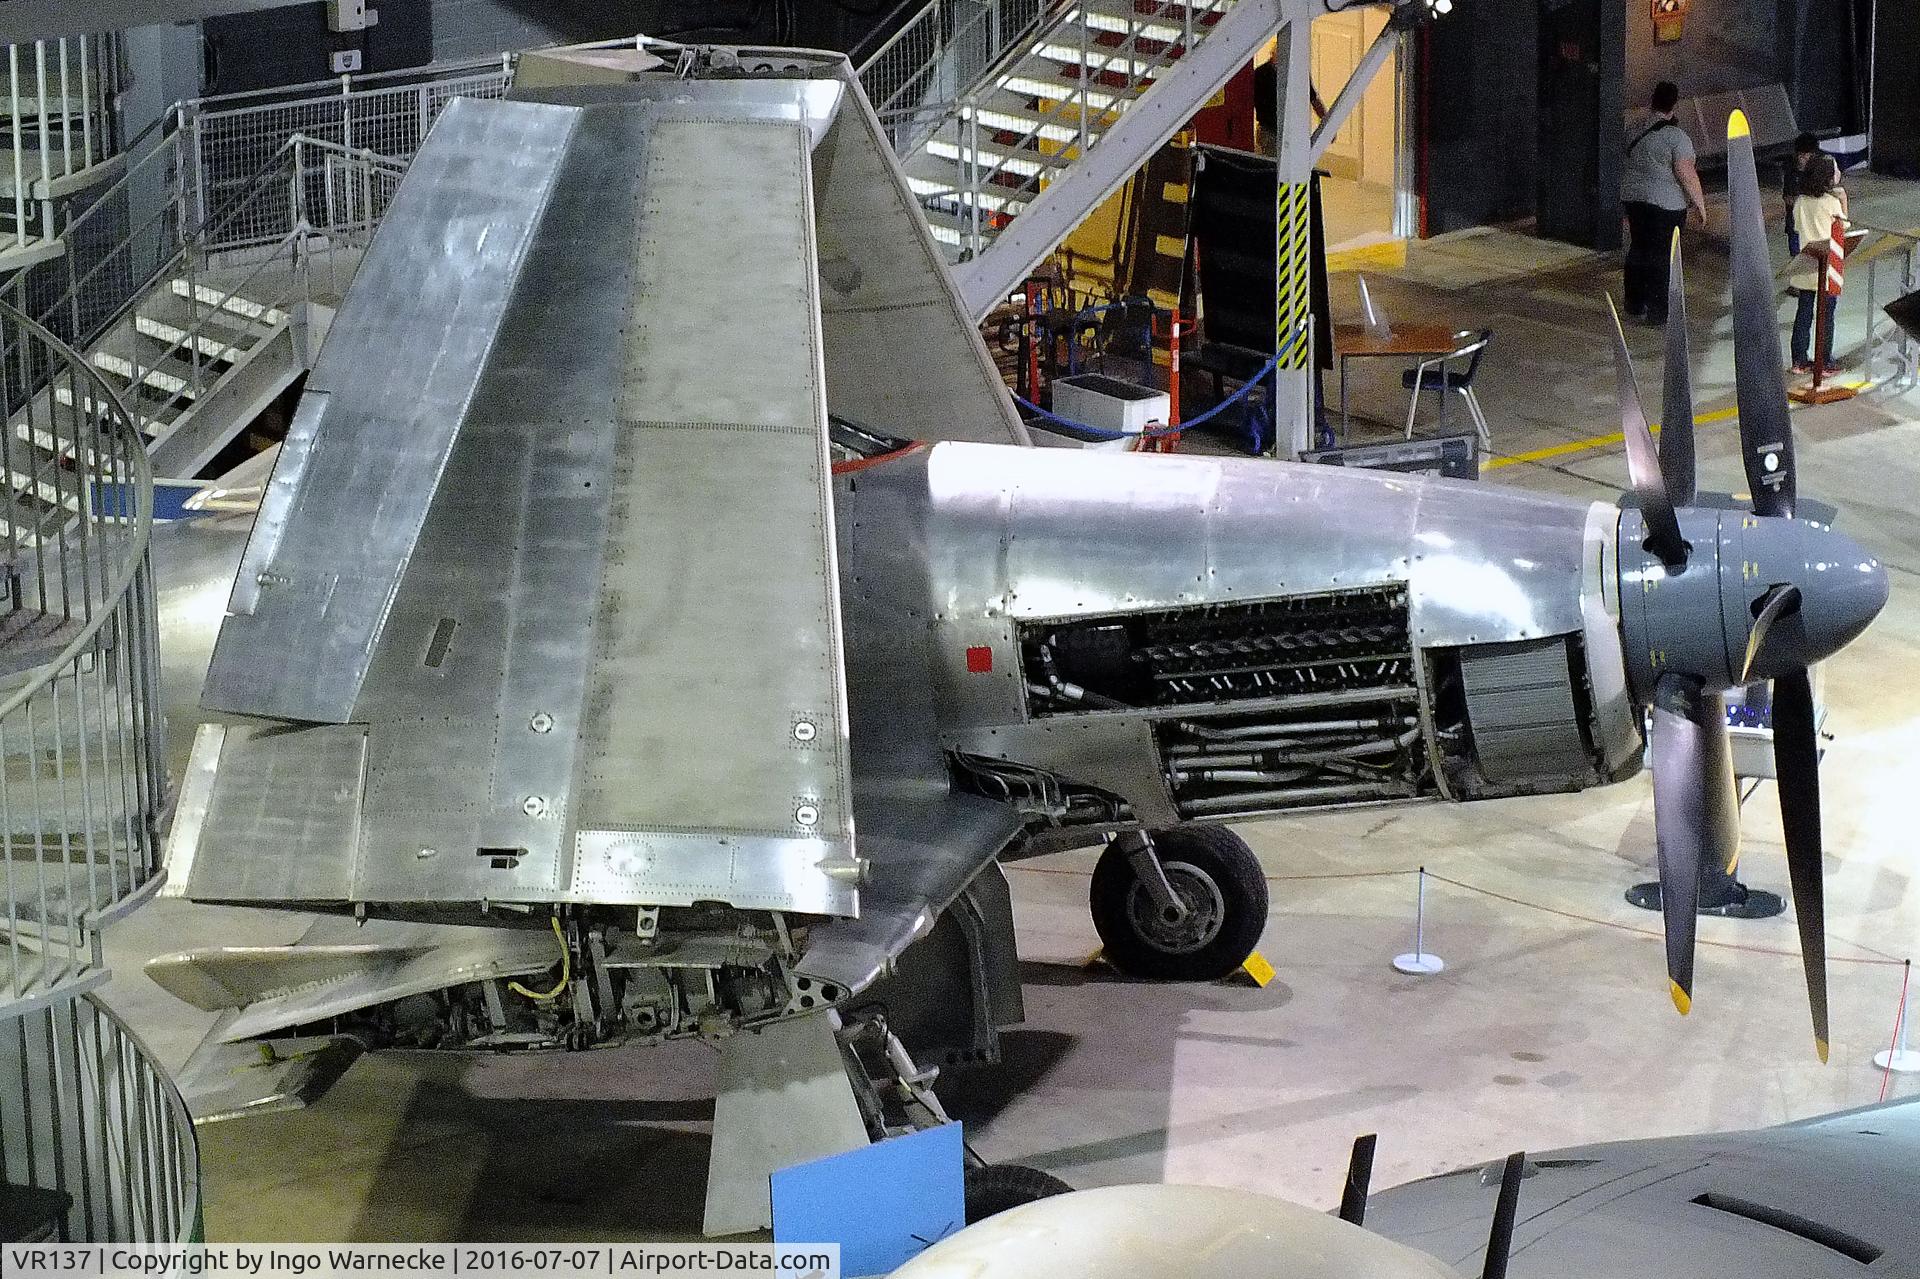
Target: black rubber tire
1224, 859
997, 1187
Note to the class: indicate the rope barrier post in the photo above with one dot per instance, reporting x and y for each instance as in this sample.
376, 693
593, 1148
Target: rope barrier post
1898, 1057
1419, 963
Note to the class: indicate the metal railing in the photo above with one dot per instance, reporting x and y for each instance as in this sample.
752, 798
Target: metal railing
293, 218
1001, 161
61, 121
96, 1145
82, 782
944, 49
226, 140
1892, 270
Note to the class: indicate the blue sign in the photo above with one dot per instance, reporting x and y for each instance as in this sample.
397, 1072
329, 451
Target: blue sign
883, 1204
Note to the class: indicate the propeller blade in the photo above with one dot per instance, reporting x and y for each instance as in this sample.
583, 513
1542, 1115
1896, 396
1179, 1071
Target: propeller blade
1676, 400
1643, 461
1766, 437
1778, 602
1506, 1213
1796, 755
1695, 813
1353, 1198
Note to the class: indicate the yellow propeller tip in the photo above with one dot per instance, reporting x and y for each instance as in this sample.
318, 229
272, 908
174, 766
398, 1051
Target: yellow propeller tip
1733, 864
1681, 999
1820, 1046
1737, 125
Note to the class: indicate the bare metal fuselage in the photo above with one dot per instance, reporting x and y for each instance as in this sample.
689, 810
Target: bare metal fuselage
1129, 639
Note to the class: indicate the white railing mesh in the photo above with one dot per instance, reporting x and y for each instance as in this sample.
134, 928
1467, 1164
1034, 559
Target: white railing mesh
227, 145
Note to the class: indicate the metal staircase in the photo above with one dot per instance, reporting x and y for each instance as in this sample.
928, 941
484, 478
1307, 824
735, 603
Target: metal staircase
220, 327
59, 131
96, 1144
1043, 135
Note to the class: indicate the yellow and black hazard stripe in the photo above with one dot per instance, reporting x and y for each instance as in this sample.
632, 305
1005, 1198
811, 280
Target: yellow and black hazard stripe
1293, 276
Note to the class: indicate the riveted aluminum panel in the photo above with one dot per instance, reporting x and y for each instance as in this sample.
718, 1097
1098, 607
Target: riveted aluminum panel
395, 381
282, 820
808, 92
1492, 564
889, 302
926, 844
673, 869
474, 695
1618, 726
715, 706
1048, 533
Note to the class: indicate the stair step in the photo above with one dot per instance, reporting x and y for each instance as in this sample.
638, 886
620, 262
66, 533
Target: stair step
23, 484
211, 295
150, 424
170, 376
61, 164
1131, 45
1013, 113
43, 441
216, 332
1165, 27
1057, 90
1010, 203
58, 107
1025, 161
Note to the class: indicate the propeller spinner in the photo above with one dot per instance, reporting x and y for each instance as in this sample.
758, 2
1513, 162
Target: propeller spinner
1712, 599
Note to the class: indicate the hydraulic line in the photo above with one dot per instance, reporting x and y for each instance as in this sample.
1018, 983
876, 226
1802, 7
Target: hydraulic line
1251, 800
566, 970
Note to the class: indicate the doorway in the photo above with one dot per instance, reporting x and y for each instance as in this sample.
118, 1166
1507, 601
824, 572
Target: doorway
1366, 163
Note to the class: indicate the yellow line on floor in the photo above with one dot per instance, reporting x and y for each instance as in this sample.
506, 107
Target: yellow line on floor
1617, 437
1594, 442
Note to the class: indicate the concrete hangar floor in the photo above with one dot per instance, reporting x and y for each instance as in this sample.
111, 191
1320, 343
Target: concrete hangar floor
1550, 1026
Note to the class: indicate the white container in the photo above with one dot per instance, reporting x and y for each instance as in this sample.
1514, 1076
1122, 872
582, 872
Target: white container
1109, 404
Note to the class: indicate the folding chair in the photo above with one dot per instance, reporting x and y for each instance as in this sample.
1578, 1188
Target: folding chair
1434, 375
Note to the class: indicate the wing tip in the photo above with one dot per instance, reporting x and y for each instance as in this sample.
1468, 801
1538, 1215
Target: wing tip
1737, 126
1681, 999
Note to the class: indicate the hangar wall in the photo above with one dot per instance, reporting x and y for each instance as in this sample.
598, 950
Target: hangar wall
1482, 114
1729, 44
292, 45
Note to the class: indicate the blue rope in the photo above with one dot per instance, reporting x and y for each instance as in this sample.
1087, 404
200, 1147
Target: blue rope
1100, 432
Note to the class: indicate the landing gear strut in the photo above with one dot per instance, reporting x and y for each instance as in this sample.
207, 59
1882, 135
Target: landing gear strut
1187, 904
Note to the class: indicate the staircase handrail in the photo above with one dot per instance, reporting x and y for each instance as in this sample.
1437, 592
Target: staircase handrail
91, 849
286, 248
346, 84
1079, 99
1018, 46
140, 481
190, 241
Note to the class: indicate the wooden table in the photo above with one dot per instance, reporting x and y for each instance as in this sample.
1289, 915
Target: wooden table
1410, 341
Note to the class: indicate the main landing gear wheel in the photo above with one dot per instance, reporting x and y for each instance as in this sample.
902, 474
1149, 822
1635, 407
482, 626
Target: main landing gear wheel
994, 1188
1199, 924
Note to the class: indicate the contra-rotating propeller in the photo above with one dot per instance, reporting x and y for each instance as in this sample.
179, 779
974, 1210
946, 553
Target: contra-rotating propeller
1714, 598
